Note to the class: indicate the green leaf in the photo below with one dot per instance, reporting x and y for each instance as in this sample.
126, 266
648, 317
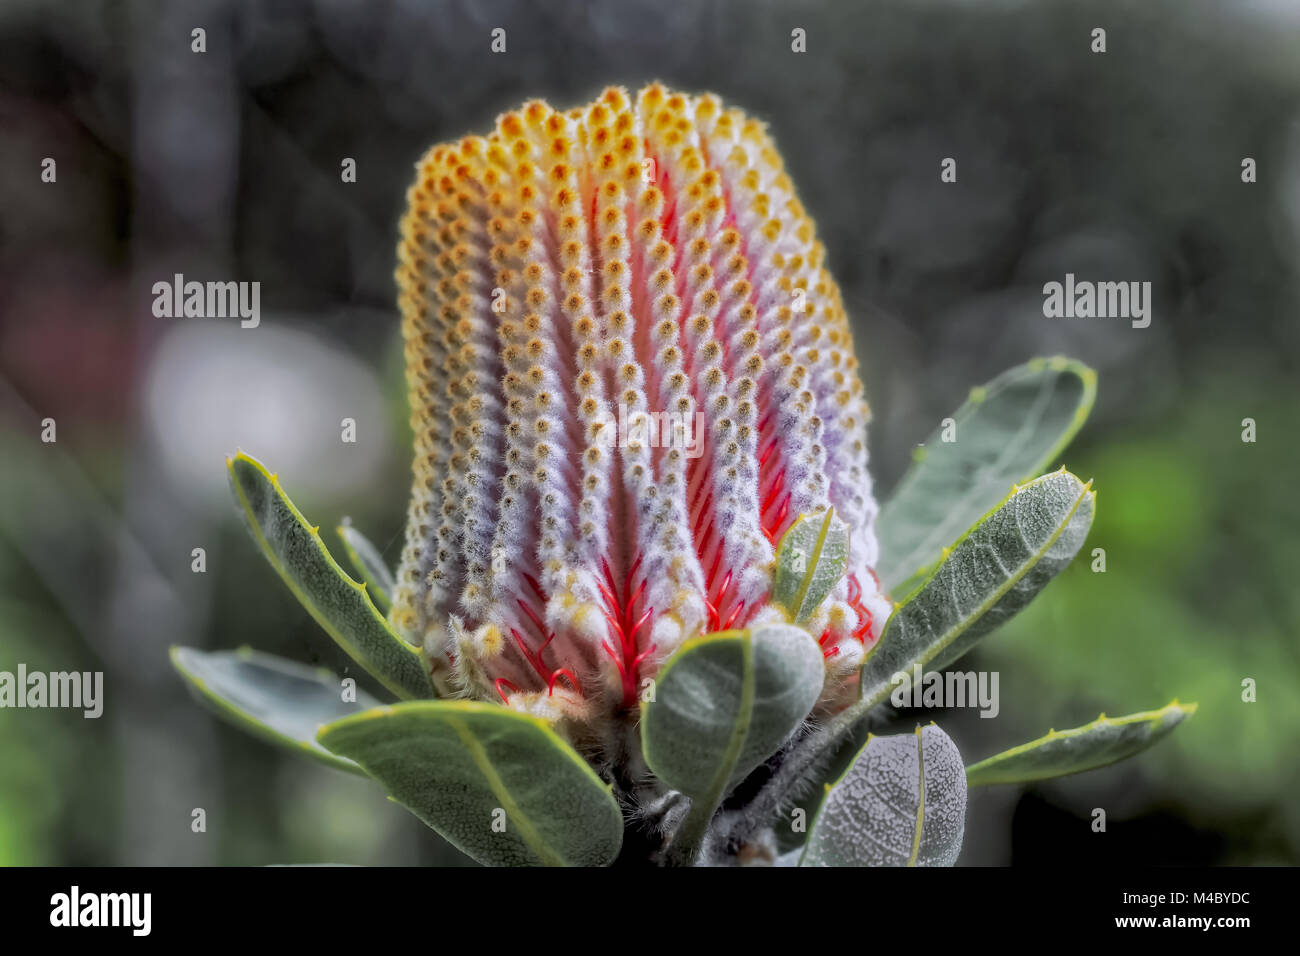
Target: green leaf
466, 768
339, 604
275, 699
724, 703
902, 802
1105, 741
989, 575
369, 563
810, 561
1009, 430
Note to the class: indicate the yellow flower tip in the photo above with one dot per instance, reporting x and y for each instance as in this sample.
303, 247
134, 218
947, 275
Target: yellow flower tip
588, 621
405, 620
488, 640
683, 600
535, 112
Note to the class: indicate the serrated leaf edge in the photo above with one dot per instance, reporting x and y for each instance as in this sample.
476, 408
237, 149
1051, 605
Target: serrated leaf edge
317, 615
1145, 716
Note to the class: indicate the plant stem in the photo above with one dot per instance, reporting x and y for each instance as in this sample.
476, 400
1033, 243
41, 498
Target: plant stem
689, 837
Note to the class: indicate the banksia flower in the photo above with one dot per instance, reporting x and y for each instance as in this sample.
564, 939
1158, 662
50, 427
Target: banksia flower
630, 372
640, 590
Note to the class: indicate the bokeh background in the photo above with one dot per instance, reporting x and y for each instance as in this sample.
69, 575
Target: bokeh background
225, 165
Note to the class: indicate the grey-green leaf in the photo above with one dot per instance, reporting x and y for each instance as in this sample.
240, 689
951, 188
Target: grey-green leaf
725, 702
1105, 741
1009, 430
499, 785
339, 604
369, 563
989, 575
275, 699
902, 802
810, 561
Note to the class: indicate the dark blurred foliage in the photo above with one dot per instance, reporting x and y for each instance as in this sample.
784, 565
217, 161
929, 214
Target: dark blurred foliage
1123, 165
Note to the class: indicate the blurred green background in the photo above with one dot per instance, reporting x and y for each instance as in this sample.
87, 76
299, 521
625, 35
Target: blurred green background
1122, 166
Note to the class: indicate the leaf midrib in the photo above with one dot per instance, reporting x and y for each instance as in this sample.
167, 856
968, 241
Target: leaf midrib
527, 830
740, 729
811, 569
1154, 718
920, 800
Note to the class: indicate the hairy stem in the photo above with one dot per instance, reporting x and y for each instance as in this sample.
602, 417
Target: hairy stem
689, 838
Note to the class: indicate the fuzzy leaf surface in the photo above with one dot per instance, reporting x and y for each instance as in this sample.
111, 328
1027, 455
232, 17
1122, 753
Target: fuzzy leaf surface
725, 702
902, 802
499, 785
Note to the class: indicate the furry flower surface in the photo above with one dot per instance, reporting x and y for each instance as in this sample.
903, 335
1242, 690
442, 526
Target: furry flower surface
630, 372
